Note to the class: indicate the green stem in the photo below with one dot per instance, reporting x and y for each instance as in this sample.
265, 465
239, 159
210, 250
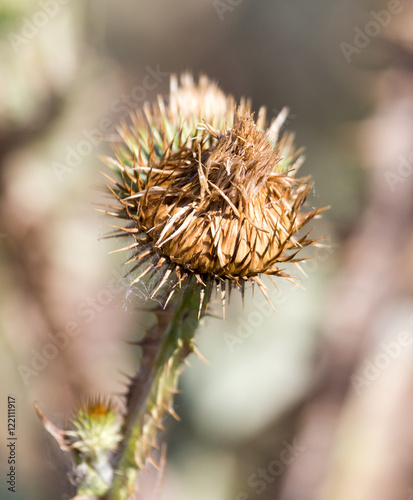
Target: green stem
152, 390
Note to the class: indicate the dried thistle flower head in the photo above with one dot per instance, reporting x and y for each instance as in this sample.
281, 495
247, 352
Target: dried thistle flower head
208, 192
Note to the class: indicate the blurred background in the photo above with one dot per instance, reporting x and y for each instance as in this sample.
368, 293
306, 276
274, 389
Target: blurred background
311, 401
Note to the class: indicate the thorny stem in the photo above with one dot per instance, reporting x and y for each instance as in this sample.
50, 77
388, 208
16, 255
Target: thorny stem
152, 389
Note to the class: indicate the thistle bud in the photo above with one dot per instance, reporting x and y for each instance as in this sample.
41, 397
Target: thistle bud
93, 442
97, 428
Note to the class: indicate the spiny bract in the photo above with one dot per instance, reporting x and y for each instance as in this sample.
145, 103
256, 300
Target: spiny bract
207, 191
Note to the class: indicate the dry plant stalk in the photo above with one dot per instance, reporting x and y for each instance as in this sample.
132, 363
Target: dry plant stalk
211, 202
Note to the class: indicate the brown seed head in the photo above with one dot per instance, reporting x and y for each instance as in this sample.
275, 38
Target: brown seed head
210, 194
